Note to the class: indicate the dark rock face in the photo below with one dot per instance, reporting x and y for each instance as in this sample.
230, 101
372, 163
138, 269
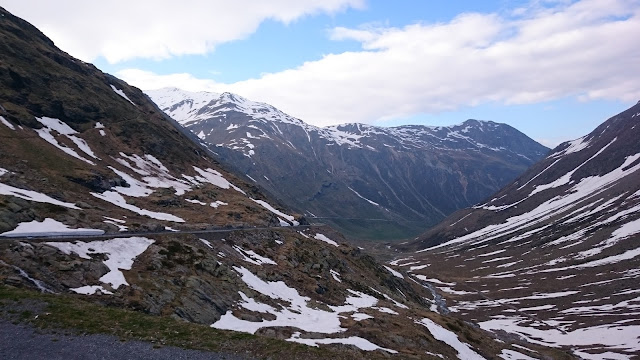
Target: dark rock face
390, 183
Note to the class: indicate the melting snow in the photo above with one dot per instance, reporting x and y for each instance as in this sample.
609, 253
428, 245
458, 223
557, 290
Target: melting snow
360, 316
100, 128
253, 258
364, 198
214, 177
507, 354
566, 178
574, 147
386, 310
614, 337
276, 211
122, 94
117, 199
58, 126
395, 273
120, 255
451, 339
48, 227
297, 314
362, 344
7, 123
321, 237
194, 201
335, 275
206, 242
32, 195
435, 281
586, 188
91, 289
217, 203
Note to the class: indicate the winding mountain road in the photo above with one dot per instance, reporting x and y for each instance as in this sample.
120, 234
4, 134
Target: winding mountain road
71, 236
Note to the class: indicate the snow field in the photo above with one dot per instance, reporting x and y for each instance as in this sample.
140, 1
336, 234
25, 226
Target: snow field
294, 311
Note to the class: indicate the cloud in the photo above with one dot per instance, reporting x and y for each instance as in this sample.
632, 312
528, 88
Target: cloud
121, 30
148, 80
586, 50
552, 142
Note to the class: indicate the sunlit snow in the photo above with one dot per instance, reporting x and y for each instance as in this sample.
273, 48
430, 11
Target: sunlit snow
33, 196
451, 339
321, 237
7, 123
46, 133
120, 254
122, 94
48, 227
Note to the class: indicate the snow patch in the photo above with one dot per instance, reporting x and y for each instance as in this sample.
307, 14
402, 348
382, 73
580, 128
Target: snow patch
321, 237
117, 199
360, 343
267, 206
48, 227
364, 198
120, 255
251, 257
61, 128
395, 273
122, 94
7, 123
451, 339
32, 195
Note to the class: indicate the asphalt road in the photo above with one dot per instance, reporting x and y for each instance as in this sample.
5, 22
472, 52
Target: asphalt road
22, 342
67, 237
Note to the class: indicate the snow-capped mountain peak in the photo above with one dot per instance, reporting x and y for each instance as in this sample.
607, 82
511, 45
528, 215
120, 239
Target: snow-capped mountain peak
268, 144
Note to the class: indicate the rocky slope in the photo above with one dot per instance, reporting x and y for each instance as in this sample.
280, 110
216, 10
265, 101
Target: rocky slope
83, 153
391, 183
554, 256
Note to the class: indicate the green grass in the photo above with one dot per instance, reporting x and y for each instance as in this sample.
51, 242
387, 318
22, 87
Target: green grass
379, 231
72, 312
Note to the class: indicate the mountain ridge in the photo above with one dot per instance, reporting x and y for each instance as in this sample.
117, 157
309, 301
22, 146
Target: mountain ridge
553, 256
400, 175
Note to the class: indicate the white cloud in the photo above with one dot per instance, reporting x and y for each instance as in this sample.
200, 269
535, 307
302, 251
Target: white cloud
121, 30
552, 142
148, 80
586, 49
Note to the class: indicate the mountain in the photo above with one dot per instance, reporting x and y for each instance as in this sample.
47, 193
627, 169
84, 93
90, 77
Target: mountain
391, 183
129, 197
554, 256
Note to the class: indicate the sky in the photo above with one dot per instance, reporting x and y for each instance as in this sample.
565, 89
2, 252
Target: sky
554, 69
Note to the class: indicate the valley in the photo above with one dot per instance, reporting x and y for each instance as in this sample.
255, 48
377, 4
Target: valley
210, 222
391, 183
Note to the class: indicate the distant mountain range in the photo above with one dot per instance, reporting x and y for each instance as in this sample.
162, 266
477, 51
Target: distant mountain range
369, 182
554, 256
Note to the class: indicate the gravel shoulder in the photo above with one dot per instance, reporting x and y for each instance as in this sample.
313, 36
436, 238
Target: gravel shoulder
20, 341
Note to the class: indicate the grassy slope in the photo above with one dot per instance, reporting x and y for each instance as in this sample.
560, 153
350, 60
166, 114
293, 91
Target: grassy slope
72, 312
